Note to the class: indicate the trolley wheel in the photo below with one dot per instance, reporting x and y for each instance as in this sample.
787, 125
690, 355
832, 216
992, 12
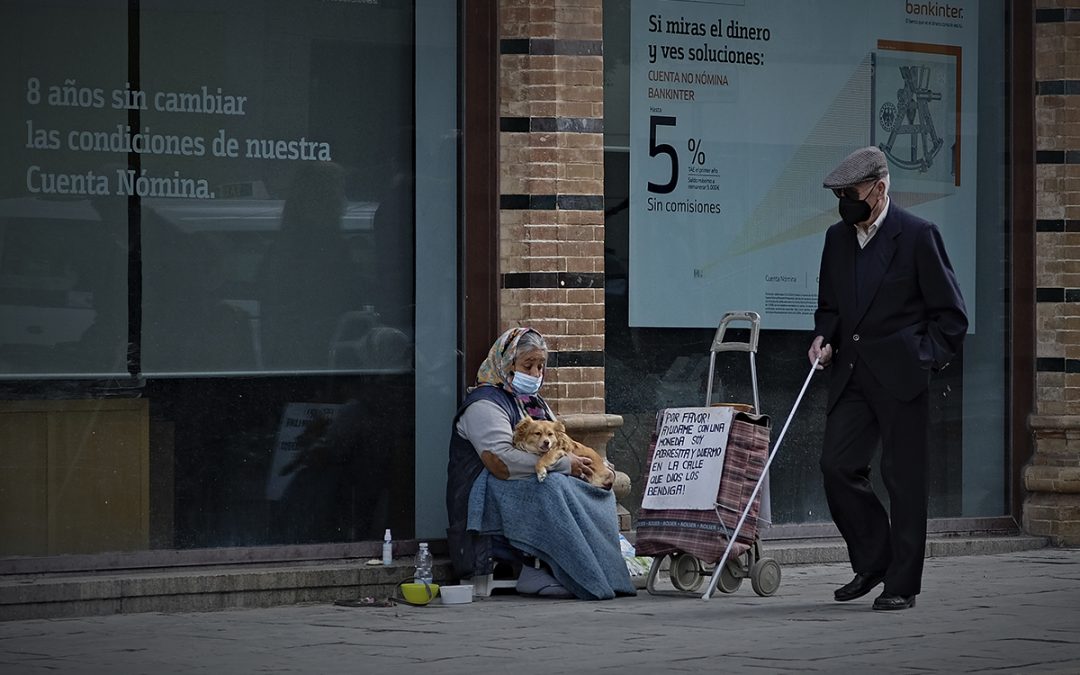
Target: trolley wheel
686, 572
765, 576
731, 576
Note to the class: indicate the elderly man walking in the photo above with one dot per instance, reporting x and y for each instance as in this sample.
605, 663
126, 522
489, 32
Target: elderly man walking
889, 313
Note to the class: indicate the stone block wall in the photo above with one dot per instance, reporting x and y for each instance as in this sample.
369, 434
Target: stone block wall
1052, 479
551, 249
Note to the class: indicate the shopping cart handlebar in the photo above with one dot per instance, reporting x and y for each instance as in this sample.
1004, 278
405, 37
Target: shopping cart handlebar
753, 318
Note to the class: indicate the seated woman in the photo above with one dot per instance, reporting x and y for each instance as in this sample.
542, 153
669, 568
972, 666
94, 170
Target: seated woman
563, 533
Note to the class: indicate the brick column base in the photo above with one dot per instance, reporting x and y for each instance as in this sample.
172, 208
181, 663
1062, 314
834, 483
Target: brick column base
1052, 506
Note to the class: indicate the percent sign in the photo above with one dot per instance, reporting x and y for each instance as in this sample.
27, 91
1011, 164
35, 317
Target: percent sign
697, 155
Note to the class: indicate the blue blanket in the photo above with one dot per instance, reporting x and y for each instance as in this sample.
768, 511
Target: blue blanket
565, 522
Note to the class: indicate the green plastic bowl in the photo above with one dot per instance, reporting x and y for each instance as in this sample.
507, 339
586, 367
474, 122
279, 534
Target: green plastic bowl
419, 594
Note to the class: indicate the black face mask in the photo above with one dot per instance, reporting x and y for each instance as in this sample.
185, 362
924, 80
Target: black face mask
854, 211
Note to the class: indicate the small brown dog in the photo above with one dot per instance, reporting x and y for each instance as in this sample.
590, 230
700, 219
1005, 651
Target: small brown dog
549, 440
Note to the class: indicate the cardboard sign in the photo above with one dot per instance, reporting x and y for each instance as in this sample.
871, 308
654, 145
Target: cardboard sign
688, 458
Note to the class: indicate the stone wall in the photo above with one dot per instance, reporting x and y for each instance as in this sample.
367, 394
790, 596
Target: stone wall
1052, 505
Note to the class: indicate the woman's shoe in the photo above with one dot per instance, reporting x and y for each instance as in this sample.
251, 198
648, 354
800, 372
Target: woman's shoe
538, 581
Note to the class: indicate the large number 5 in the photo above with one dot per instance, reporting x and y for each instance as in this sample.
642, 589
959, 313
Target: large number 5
663, 149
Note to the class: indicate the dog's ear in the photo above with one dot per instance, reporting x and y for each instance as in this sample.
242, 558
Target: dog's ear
519, 430
560, 427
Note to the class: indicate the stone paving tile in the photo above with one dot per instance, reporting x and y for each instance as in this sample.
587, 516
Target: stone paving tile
1015, 612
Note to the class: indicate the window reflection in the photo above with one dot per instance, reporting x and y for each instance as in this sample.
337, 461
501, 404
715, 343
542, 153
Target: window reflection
283, 283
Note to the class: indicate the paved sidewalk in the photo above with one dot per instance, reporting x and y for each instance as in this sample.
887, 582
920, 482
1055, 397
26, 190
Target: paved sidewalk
1014, 612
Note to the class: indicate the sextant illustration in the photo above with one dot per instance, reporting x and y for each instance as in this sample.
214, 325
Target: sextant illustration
910, 116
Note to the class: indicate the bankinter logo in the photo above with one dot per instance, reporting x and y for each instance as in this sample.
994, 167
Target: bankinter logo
934, 9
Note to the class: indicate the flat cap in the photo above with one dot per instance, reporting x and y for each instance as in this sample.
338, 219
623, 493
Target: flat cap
860, 166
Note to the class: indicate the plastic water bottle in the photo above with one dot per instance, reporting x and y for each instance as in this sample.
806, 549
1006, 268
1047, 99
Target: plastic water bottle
423, 565
387, 549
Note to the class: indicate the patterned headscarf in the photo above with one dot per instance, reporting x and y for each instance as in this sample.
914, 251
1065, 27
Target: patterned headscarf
496, 368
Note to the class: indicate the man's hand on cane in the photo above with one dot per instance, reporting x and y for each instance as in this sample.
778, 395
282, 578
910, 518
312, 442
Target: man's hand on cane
822, 355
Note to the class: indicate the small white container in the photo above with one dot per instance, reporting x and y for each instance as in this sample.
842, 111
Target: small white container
456, 595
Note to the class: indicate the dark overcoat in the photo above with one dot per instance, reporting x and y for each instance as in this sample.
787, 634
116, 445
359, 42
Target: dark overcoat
899, 312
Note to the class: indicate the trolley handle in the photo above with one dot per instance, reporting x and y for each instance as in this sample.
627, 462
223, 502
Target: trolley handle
719, 345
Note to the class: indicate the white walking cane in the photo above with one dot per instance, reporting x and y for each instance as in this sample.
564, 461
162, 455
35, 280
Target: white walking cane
753, 495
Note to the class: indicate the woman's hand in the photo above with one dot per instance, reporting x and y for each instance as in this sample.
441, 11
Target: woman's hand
580, 467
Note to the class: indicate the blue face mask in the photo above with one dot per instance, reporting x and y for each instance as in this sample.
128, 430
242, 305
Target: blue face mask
524, 383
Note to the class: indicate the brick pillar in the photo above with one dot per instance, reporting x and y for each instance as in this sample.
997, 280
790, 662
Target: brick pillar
1052, 506
552, 189
551, 249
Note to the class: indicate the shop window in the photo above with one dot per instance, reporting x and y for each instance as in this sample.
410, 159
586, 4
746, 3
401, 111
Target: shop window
212, 207
721, 120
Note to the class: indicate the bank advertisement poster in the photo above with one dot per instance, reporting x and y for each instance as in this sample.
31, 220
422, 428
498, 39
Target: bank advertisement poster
739, 108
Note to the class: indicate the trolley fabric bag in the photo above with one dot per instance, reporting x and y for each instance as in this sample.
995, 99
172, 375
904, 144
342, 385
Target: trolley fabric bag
704, 534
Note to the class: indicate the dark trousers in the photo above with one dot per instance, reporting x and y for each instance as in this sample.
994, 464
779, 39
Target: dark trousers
893, 542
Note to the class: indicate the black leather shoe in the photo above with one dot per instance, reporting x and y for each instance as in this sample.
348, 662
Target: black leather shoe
889, 601
859, 586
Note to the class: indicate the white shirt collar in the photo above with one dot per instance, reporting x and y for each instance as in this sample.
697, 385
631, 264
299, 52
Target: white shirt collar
866, 235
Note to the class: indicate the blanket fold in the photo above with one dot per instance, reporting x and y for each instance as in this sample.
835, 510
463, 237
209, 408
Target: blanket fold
567, 523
